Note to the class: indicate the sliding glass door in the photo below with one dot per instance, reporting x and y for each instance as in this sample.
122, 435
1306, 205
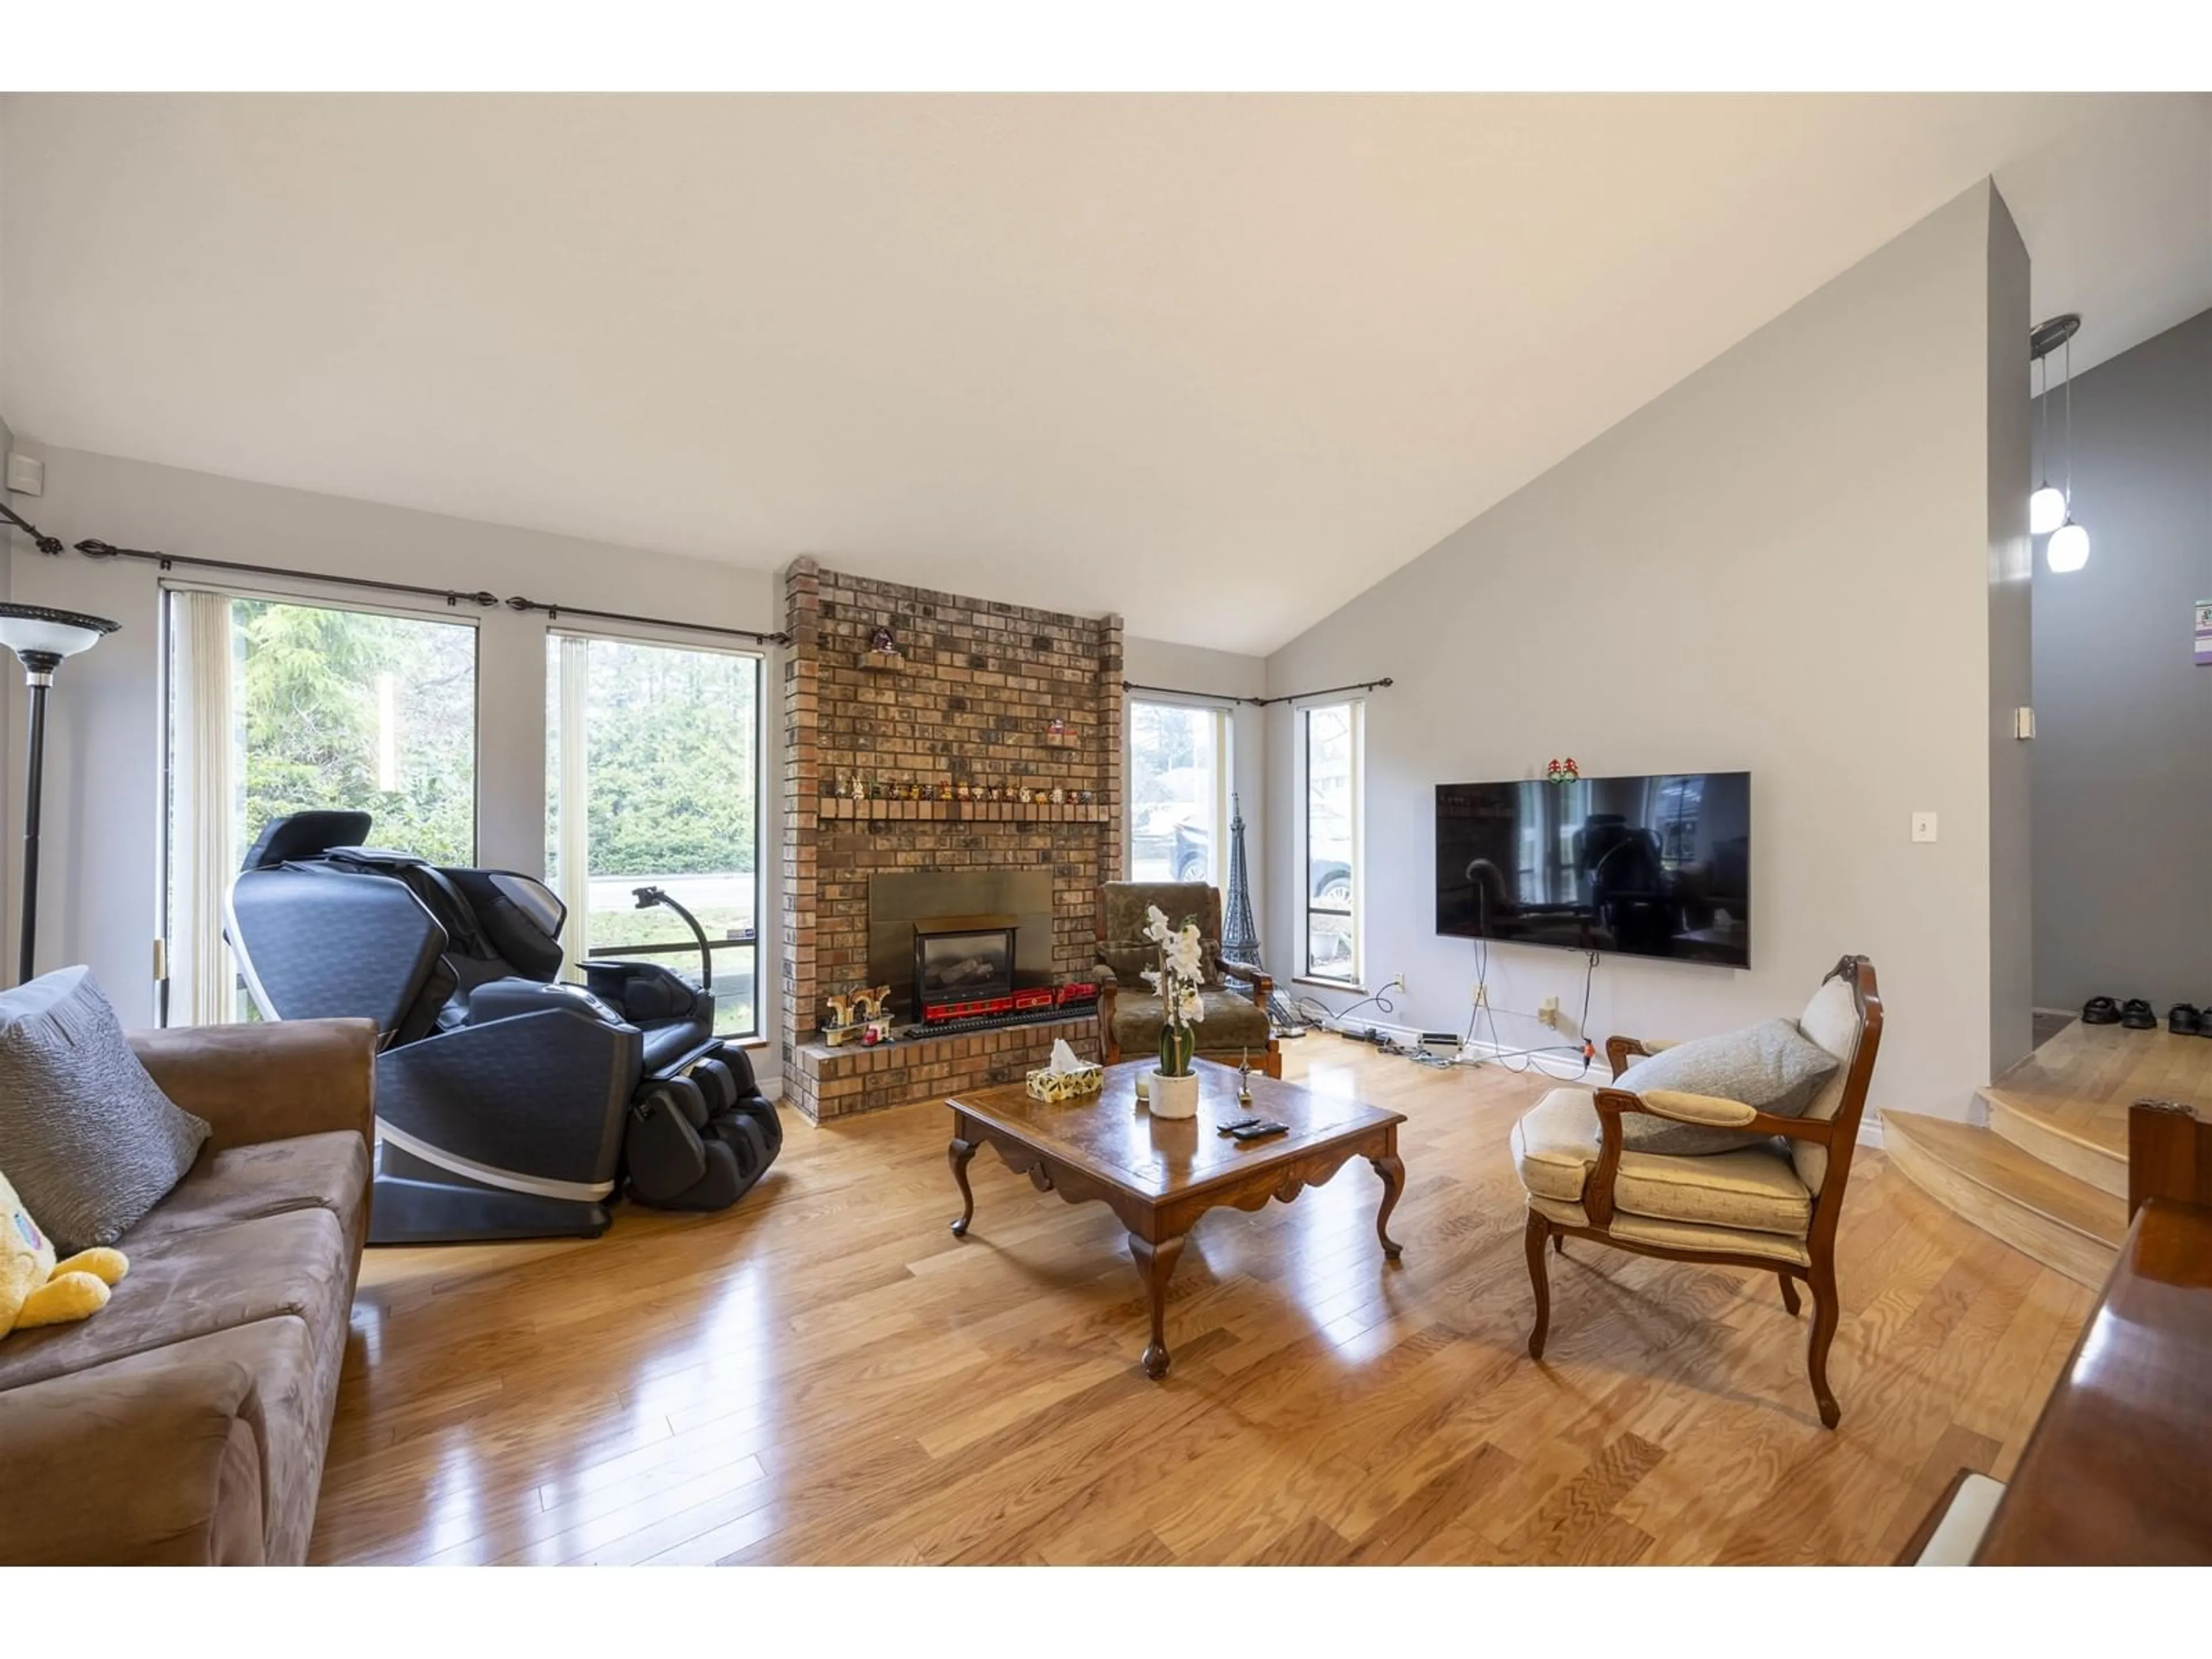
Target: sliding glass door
653, 780
278, 706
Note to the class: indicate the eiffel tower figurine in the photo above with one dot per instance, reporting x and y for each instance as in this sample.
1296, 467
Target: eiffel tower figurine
1240, 934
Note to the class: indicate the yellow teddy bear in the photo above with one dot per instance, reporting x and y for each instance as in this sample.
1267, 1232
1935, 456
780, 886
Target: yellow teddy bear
34, 1288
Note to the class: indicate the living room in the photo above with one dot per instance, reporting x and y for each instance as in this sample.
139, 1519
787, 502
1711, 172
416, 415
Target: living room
855, 829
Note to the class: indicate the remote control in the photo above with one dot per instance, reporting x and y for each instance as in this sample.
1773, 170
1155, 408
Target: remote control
1259, 1131
1234, 1125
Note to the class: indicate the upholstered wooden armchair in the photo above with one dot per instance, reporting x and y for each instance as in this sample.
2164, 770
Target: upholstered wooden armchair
1129, 1012
1773, 1207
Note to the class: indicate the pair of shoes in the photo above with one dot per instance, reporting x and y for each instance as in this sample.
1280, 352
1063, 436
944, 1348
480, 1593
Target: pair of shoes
2187, 1019
2135, 1013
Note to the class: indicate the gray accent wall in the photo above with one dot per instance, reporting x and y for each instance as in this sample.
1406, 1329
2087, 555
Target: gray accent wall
2012, 562
2122, 797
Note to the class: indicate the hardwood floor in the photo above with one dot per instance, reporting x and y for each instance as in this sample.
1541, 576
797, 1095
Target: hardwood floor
826, 1375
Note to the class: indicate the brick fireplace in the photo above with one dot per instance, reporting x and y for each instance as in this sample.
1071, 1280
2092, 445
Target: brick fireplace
973, 704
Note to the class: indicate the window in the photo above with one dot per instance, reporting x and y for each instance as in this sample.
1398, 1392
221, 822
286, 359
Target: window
277, 707
653, 780
1178, 792
1333, 737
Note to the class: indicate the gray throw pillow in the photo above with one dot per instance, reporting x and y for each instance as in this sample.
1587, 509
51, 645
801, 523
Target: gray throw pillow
1773, 1068
88, 1139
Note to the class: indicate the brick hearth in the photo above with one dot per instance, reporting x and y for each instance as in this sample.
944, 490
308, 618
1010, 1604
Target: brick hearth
970, 699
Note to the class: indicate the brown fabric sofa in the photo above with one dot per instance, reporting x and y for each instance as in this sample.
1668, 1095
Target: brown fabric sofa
185, 1423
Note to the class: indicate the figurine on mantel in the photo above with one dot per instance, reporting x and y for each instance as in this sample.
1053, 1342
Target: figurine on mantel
882, 642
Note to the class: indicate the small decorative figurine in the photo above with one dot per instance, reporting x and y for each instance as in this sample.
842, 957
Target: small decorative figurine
882, 641
876, 790
856, 790
1563, 771
1057, 729
944, 791
960, 791
1025, 794
1244, 1078
1059, 796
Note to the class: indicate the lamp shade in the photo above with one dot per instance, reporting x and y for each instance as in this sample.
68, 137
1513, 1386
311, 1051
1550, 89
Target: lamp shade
2046, 510
2067, 549
33, 630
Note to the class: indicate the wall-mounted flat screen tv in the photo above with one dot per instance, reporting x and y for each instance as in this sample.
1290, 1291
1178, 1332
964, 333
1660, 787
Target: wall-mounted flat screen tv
1651, 866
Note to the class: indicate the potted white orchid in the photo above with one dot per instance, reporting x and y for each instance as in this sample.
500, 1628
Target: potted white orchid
1173, 1090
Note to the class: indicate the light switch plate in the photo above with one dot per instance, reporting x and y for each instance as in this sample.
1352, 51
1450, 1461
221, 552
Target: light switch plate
2023, 723
1923, 826
27, 475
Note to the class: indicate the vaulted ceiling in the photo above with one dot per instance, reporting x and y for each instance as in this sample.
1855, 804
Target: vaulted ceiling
1215, 362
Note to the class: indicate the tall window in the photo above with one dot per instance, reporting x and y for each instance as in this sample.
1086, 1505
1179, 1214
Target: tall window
277, 707
1178, 792
1333, 737
653, 780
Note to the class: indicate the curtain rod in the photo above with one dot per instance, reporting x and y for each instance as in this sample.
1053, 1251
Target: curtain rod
1256, 702
52, 548
556, 612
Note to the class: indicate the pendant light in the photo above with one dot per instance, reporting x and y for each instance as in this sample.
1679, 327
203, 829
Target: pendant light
2050, 510
2046, 508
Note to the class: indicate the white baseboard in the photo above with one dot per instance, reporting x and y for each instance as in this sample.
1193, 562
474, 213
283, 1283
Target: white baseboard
1870, 1132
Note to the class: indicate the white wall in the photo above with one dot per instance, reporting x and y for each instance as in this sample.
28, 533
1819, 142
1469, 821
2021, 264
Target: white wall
102, 841
1779, 565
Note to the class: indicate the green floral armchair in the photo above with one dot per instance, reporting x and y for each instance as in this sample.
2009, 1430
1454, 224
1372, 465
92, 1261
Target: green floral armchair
1129, 1012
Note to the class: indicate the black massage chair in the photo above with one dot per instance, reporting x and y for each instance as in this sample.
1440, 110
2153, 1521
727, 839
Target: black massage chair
507, 1106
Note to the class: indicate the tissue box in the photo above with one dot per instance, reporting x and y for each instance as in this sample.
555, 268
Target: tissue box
1045, 1084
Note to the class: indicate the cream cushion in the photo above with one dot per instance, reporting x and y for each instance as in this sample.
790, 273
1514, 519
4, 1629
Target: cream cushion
1679, 1234
1555, 1147
1831, 1019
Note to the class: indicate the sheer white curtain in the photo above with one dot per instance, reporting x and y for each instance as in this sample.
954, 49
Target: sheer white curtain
201, 977
574, 804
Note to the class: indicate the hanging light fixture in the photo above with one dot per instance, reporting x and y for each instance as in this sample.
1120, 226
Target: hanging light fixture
2046, 508
2050, 510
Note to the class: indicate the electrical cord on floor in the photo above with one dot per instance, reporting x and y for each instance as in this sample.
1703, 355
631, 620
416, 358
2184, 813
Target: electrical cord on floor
1500, 1055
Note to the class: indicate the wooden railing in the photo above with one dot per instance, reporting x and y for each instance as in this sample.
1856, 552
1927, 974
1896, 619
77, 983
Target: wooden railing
2118, 1470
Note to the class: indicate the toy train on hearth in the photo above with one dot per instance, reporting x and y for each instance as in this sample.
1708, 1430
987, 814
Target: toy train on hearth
1031, 999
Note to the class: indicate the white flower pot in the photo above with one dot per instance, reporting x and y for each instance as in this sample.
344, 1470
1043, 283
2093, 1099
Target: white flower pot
1174, 1096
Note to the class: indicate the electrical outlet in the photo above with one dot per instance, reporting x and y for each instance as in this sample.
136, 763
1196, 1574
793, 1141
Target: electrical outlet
1401, 984
1549, 1011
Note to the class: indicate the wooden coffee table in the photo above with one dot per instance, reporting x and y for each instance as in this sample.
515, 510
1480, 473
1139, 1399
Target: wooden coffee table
1159, 1175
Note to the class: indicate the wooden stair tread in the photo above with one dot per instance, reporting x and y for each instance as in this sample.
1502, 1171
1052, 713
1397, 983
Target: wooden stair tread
2080, 1083
1986, 1158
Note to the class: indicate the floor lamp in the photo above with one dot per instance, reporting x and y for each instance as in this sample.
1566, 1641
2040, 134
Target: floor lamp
42, 638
